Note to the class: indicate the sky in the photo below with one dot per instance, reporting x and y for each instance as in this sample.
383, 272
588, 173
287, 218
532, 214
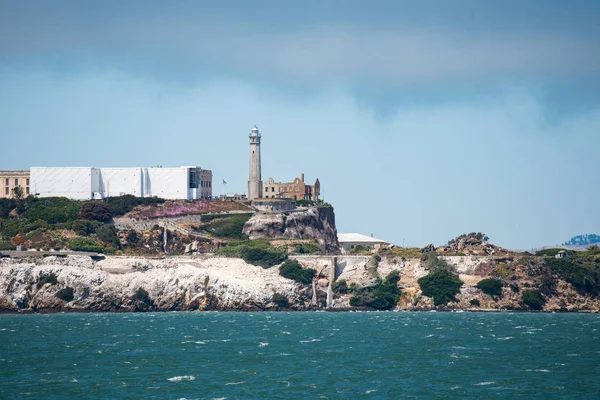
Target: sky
423, 120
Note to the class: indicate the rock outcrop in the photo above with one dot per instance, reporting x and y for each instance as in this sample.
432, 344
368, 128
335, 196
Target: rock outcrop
316, 223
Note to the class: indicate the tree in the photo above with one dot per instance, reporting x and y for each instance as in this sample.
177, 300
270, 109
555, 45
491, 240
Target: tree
17, 193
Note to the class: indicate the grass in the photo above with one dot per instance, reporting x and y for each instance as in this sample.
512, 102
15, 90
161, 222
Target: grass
292, 269
255, 252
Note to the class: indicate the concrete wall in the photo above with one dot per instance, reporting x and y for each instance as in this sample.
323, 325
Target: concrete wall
71, 182
120, 181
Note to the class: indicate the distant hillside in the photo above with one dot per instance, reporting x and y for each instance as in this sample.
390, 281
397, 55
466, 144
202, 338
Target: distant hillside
583, 240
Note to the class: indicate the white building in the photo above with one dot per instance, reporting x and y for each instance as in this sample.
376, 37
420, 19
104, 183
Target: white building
86, 183
349, 241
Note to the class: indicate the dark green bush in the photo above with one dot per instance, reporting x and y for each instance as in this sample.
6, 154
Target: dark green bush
49, 277
123, 204
552, 252
281, 300
307, 248
53, 210
533, 299
86, 244
441, 285
66, 294
475, 302
491, 286
584, 278
255, 252
142, 296
6, 245
383, 296
95, 211
340, 286
292, 269
36, 225
108, 234
10, 227
6, 206
132, 238
359, 249
229, 227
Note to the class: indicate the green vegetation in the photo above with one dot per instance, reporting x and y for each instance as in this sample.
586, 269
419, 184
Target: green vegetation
227, 226
383, 296
584, 276
407, 252
6, 206
86, 244
95, 211
280, 300
53, 210
491, 286
5, 245
533, 299
358, 249
341, 286
307, 248
304, 203
475, 302
553, 252
44, 278
442, 283
66, 294
121, 205
85, 228
292, 269
255, 252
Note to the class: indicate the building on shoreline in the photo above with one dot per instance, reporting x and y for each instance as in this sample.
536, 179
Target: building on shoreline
86, 183
9, 180
349, 241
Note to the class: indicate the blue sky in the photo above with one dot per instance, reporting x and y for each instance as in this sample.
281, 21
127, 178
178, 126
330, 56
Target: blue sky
423, 120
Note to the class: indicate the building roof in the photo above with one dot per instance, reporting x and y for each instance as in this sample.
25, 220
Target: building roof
357, 237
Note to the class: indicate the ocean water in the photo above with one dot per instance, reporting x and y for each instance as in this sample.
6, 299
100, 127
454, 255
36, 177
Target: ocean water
300, 356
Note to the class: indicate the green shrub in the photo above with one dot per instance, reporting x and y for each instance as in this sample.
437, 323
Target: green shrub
441, 285
475, 302
123, 204
292, 269
108, 234
491, 286
228, 226
10, 227
142, 296
6, 206
85, 244
66, 294
307, 248
132, 238
584, 278
304, 203
36, 225
383, 296
341, 286
255, 252
280, 300
533, 299
359, 249
6, 245
552, 252
44, 278
53, 210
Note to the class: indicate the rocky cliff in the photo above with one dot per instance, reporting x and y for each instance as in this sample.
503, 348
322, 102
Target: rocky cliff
316, 223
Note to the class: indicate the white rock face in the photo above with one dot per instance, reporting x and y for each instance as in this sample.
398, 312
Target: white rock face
182, 283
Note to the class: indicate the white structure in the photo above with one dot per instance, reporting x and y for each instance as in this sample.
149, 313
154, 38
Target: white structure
255, 180
348, 241
85, 183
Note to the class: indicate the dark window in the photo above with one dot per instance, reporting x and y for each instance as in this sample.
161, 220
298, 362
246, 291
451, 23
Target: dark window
6, 190
27, 181
7, 181
193, 178
27, 189
16, 181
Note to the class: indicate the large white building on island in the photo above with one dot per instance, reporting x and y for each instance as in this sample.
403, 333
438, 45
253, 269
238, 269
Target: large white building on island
86, 183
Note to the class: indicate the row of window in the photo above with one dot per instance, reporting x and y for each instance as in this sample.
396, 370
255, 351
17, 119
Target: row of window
7, 181
7, 190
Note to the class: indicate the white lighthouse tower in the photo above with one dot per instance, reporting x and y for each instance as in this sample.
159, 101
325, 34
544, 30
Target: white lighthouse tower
255, 180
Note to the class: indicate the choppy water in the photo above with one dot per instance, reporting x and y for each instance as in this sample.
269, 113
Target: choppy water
299, 355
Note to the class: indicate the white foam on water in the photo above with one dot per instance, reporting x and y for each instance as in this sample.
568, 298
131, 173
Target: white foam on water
263, 344
370, 391
484, 383
182, 378
311, 340
505, 338
428, 336
235, 383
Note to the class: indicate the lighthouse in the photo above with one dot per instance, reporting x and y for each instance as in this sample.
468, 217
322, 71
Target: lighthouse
255, 179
